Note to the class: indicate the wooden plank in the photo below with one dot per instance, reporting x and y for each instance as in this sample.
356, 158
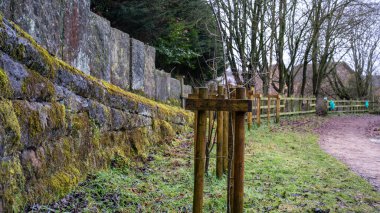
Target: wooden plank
219, 144
200, 153
297, 113
231, 105
239, 157
297, 99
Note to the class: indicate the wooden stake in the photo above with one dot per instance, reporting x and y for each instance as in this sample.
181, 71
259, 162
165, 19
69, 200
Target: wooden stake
278, 101
239, 156
258, 111
225, 141
231, 175
195, 96
199, 161
249, 116
268, 110
219, 144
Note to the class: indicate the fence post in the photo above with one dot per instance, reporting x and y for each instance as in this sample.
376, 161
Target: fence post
258, 110
225, 141
210, 113
199, 161
195, 95
268, 110
278, 102
239, 156
225, 135
249, 116
231, 153
219, 144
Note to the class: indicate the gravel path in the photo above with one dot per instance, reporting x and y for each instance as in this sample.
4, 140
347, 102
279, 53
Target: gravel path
355, 140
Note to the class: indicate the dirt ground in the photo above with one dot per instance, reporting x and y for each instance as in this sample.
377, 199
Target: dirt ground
355, 140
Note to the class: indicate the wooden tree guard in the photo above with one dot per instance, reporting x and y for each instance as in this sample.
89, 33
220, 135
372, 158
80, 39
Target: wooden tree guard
225, 135
250, 96
219, 144
195, 96
202, 105
200, 153
238, 200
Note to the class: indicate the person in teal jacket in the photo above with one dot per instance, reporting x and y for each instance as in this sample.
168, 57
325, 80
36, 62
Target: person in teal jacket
331, 105
366, 104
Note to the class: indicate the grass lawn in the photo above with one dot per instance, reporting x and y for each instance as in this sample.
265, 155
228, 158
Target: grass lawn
285, 171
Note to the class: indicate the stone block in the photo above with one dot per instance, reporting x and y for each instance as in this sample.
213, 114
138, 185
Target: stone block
120, 58
43, 20
76, 33
137, 65
162, 85
99, 47
150, 67
187, 90
174, 88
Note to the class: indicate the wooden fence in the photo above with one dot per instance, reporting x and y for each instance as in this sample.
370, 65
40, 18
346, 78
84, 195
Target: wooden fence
228, 111
277, 106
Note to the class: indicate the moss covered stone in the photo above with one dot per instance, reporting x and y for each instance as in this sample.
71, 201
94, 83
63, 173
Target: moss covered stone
12, 183
49, 60
37, 88
10, 132
29, 119
57, 116
18, 52
64, 180
5, 86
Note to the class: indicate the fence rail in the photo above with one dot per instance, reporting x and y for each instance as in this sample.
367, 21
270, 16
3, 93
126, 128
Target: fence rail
276, 106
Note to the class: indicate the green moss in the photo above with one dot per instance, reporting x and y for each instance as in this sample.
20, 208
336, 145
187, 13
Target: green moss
139, 141
37, 87
9, 128
65, 180
57, 116
28, 118
18, 53
5, 87
95, 135
12, 181
164, 129
48, 59
80, 122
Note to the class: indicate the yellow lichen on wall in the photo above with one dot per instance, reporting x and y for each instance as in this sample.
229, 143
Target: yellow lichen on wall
5, 87
64, 180
30, 118
49, 59
12, 181
57, 116
35, 86
9, 128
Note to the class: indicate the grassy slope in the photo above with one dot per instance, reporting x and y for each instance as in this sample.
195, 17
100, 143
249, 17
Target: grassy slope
287, 172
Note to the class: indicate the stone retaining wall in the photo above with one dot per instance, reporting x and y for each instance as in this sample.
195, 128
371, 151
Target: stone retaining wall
70, 31
57, 124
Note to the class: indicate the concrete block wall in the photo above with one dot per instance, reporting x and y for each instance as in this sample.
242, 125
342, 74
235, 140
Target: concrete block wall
70, 31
